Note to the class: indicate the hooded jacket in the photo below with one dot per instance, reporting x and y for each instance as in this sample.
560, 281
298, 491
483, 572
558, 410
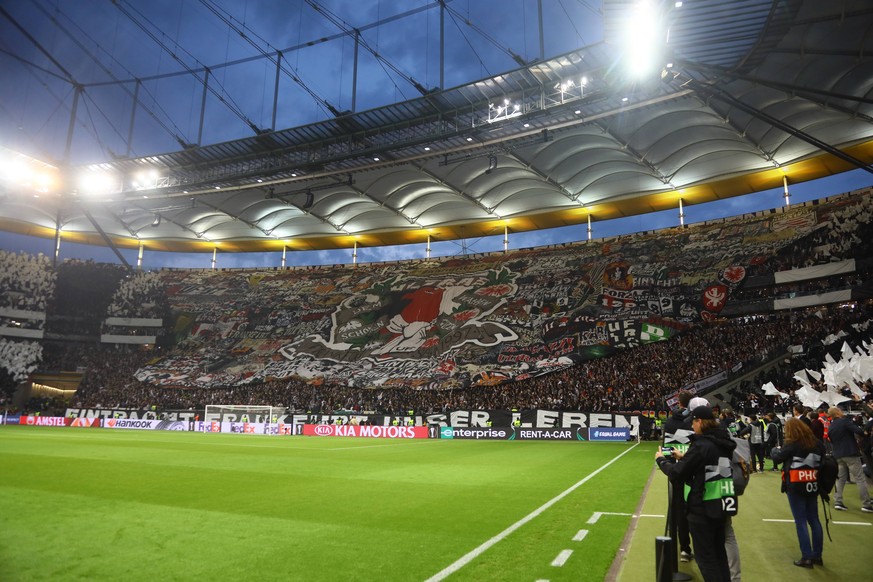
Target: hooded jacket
706, 472
677, 429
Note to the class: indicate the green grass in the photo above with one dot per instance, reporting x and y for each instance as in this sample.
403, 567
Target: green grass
767, 548
83, 504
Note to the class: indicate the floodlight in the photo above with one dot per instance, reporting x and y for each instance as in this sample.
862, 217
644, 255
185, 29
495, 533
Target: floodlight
93, 181
644, 38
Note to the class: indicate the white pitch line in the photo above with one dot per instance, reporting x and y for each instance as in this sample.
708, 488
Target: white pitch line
597, 515
562, 558
580, 535
834, 522
476, 552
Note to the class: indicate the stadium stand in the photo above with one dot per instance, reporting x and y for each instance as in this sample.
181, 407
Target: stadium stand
610, 325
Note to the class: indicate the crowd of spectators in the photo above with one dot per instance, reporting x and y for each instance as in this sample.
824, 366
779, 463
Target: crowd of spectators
139, 295
637, 379
20, 358
27, 282
848, 234
749, 397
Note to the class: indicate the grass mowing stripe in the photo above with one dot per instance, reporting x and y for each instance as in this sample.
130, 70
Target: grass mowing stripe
476, 552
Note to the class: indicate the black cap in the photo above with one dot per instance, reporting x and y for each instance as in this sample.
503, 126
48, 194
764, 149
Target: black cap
703, 412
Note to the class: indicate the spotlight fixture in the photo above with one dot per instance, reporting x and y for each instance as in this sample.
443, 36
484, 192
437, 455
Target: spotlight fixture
310, 199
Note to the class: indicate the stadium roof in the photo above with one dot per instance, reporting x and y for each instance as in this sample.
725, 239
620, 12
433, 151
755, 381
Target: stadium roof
751, 91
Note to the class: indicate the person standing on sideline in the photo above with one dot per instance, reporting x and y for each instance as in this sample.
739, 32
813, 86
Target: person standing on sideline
755, 430
801, 458
772, 436
677, 434
728, 421
816, 425
841, 433
706, 471
800, 414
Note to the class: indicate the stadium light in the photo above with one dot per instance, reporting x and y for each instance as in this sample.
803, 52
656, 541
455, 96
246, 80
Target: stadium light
505, 110
96, 181
21, 171
644, 39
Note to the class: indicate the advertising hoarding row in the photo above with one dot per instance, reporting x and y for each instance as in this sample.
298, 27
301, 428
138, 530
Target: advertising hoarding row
432, 431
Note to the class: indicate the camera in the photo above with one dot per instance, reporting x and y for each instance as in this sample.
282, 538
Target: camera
667, 452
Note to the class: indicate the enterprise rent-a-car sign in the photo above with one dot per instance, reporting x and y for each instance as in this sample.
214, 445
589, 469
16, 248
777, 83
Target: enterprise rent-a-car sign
514, 433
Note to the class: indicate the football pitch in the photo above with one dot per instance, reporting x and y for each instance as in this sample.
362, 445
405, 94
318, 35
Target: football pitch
92, 503
86, 504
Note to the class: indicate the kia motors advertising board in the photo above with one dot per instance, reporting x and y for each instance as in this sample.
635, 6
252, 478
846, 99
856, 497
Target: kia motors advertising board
367, 431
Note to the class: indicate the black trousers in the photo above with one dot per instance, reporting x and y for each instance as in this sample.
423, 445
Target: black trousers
767, 448
709, 550
677, 507
757, 450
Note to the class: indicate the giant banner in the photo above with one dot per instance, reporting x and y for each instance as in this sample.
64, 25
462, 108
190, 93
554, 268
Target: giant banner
466, 321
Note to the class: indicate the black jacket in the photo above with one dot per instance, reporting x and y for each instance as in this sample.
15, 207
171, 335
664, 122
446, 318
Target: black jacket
841, 433
677, 429
800, 468
706, 471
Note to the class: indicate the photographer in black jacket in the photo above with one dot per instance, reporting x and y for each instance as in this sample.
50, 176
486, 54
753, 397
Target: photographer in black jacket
709, 490
677, 435
801, 458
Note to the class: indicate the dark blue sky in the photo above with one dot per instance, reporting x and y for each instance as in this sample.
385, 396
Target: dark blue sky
96, 41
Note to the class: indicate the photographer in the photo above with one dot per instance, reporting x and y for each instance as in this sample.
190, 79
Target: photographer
801, 458
709, 490
677, 436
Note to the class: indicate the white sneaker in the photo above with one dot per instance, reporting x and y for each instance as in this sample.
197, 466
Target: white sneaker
839, 506
685, 556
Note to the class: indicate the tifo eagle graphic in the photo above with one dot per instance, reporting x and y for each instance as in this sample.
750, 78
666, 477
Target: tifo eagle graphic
415, 317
